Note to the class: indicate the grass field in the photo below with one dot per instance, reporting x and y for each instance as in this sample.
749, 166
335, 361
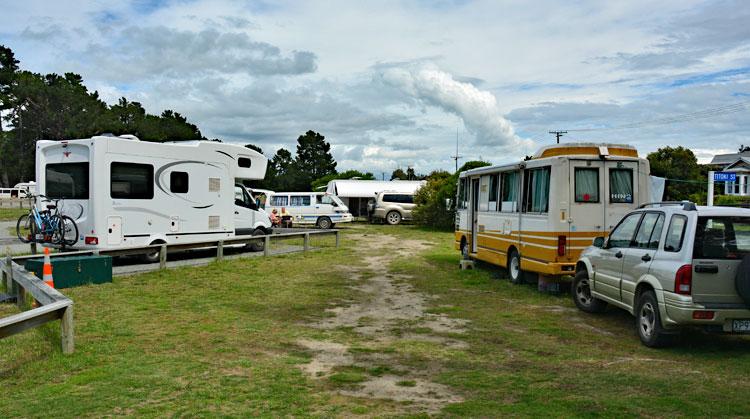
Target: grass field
348, 332
12, 214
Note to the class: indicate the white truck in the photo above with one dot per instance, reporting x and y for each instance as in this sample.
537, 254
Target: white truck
123, 192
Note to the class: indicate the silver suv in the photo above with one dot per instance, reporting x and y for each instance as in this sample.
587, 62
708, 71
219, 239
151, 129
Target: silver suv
671, 265
393, 207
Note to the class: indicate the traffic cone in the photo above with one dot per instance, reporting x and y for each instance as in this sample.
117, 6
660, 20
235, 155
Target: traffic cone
47, 269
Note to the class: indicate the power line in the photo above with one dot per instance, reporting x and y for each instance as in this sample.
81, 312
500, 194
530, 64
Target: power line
687, 117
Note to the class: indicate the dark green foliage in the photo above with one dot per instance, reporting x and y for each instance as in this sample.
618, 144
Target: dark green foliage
320, 183
314, 159
680, 166
254, 147
54, 107
436, 201
398, 174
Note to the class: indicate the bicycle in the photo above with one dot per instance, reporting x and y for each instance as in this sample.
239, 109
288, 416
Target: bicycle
47, 226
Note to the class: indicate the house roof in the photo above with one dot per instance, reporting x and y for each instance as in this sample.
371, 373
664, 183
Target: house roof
723, 159
348, 188
742, 163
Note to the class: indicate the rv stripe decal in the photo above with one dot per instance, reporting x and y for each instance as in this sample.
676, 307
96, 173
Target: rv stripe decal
228, 155
205, 206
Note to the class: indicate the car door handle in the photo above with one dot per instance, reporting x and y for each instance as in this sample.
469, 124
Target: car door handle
706, 269
646, 257
618, 255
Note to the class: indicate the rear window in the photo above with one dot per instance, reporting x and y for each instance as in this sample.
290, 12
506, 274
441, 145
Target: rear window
722, 238
621, 186
67, 180
586, 185
400, 199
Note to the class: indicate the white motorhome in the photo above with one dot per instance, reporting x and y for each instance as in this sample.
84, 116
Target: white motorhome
20, 190
123, 192
319, 208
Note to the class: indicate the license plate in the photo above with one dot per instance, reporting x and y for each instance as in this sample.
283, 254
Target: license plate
740, 325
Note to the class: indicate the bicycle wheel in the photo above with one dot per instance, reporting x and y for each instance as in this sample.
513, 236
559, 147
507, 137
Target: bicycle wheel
67, 231
26, 229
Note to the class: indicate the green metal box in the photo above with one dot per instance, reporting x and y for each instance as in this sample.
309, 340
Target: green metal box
75, 270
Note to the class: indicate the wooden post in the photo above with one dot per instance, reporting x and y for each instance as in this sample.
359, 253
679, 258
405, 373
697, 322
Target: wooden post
163, 256
266, 245
220, 250
337, 238
306, 242
66, 330
33, 247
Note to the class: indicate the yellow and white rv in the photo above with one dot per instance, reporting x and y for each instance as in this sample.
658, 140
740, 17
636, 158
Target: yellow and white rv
537, 215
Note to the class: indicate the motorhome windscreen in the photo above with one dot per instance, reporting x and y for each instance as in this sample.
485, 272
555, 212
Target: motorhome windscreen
67, 180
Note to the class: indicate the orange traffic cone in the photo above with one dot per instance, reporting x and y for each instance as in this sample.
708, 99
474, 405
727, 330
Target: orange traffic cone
47, 269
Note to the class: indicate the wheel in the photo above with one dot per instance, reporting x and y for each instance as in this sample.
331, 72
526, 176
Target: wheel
514, 268
258, 245
26, 229
648, 322
324, 223
581, 291
393, 218
152, 257
68, 231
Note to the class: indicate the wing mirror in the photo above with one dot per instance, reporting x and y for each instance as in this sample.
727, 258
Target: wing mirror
599, 242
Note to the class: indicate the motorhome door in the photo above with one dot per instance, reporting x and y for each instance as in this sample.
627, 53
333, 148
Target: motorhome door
244, 212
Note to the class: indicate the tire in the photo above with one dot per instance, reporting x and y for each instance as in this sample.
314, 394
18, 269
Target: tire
68, 231
393, 218
648, 322
324, 223
514, 268
259, 245
26, 229
581, 292
152, 257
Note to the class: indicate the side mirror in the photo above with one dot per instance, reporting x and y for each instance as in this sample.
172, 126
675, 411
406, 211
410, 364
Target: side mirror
599, 242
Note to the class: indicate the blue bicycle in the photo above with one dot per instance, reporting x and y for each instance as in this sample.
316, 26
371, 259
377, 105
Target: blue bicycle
47, 226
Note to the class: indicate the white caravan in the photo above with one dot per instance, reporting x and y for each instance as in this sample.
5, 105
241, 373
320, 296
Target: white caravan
123, 192
319, 208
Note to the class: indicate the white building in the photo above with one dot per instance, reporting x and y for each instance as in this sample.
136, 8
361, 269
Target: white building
357, 193
738, 163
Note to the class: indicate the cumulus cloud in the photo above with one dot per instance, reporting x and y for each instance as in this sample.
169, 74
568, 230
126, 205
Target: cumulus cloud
146, 52
478, 109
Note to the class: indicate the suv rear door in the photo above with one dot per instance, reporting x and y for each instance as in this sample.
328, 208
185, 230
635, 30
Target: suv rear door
720, 245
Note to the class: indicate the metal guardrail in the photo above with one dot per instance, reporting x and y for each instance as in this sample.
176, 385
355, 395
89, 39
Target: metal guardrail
53, 305
163, 249
15, 203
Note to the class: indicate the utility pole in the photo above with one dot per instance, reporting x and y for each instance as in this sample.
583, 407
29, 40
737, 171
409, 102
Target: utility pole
456, 157
558, 134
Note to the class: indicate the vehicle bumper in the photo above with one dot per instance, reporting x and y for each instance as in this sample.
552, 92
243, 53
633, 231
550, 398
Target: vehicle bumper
346, 218
679, 312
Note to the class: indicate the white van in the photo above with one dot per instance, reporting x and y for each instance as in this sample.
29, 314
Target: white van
319, 208
123, 192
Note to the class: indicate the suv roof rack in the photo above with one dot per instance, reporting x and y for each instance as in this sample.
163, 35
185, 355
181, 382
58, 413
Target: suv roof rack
686, 205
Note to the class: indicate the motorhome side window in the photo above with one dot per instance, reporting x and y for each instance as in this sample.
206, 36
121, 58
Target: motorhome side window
586, 185
621, 186
178, 182
244, 162
462, 204
509, 198
67, 180
279, 201
536, 190
131, 181
325, 199
493, 193
300, 201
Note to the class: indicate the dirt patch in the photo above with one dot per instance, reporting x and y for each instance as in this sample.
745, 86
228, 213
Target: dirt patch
390, 310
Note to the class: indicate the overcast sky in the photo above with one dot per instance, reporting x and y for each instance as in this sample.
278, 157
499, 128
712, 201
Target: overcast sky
390, 83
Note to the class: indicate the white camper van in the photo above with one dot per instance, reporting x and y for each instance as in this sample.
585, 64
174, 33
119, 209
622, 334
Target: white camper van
319, 208
123, 192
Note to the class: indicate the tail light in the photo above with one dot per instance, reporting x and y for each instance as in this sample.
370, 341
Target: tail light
683, 280
92, 240
561, 243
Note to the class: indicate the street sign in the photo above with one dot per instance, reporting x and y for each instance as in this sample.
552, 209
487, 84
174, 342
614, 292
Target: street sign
725, 177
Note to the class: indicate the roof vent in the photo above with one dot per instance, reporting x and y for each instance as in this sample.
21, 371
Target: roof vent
129, 137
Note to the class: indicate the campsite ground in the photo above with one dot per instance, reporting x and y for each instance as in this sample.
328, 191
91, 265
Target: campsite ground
385, 325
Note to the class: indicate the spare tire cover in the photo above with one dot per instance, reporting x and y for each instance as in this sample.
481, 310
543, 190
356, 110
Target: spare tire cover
742, 280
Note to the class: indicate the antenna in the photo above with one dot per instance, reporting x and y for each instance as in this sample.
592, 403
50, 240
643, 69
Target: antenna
558, 134
456, 157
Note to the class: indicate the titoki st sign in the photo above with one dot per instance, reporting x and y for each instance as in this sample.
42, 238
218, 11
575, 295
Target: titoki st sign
725, 177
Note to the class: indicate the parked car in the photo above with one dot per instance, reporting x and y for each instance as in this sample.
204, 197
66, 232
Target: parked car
393, 207
671, 265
